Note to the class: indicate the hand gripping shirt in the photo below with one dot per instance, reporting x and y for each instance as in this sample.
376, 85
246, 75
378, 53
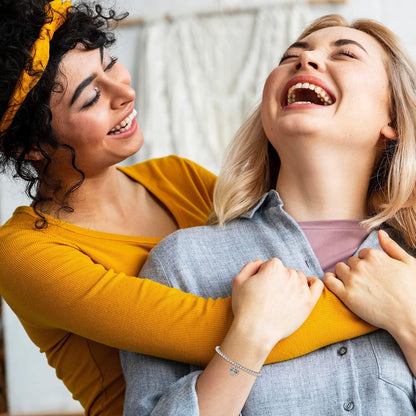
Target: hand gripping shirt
76, 293
366, 376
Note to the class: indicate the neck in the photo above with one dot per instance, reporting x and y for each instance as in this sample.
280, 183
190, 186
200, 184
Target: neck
96, 196
324, 188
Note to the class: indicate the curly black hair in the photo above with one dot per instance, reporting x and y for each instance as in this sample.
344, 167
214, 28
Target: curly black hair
20, 24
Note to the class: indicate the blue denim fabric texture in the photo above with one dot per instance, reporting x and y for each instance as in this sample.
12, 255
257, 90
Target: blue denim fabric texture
365, 376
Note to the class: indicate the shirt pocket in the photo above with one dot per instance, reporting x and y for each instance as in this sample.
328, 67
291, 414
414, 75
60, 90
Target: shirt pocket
391, 364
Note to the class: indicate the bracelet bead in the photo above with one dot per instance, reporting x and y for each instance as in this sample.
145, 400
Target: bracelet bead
236, 367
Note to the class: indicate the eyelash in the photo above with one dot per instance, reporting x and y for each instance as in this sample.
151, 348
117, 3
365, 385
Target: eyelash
344, 52
287, 56
98, 92
94, 100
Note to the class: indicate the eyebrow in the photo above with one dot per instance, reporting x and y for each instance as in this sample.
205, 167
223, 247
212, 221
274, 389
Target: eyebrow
342, 42
301, 45
81, 87
87, 81
339, 42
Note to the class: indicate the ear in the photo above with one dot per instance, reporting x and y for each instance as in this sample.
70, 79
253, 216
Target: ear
388, 132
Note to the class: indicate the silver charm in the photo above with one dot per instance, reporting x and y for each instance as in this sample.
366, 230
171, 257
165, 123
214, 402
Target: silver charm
234, 371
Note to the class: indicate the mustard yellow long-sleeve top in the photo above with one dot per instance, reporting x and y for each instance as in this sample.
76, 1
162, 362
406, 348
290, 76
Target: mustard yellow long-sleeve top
76, 293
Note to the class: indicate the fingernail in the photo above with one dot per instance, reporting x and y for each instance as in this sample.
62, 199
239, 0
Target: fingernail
384, 234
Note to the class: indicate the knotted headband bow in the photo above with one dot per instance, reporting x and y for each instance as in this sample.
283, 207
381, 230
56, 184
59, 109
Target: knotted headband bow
57, 12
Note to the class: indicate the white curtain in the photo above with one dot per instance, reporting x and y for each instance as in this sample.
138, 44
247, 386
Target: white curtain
199, 76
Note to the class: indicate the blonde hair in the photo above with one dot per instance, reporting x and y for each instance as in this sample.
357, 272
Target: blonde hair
251, 165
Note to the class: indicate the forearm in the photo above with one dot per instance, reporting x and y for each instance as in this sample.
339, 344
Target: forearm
270, 302
195, 326
220, 390
163, 387
329, 322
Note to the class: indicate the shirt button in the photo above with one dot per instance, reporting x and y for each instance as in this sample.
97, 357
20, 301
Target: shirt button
349, 405
342, 350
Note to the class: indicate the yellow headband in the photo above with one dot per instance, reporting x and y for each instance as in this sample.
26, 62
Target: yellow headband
40, 53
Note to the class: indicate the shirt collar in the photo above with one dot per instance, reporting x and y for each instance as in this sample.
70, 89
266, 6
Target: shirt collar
271, 198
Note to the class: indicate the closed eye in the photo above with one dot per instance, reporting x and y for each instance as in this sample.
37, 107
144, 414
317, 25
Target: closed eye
286, 57
93, 101
347, 53
98, 92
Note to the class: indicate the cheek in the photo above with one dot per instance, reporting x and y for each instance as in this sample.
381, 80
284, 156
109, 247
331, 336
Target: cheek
373, 88
267, 119
270, 104
72, 131
88, 126
273, 85
59, 128
57, 120
379, 105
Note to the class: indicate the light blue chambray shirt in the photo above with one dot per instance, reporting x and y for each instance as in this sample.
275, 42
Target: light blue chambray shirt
366, 376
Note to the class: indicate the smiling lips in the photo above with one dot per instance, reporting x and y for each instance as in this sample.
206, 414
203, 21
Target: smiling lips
125, 124
307, 93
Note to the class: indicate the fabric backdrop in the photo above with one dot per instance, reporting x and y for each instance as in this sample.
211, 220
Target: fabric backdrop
199, 76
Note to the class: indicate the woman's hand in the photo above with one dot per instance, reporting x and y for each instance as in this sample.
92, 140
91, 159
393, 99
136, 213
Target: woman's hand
271, 301
379, 287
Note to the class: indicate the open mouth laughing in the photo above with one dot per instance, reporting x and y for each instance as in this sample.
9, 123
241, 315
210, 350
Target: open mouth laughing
301, 91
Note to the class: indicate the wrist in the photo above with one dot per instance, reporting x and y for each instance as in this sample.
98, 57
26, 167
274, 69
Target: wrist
236, 367
246, 347
405, 335
258, 335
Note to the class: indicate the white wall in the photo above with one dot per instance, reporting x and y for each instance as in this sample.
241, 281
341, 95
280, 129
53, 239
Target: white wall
32, 385
398, 15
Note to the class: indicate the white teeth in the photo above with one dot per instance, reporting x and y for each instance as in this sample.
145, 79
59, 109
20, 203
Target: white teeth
320, 92
125, 124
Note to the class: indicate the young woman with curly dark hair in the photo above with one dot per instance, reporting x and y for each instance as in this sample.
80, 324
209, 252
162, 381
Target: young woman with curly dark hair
68, 262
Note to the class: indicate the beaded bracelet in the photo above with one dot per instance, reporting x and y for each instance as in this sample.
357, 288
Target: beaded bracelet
235, 367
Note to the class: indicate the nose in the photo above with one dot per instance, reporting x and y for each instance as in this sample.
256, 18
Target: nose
120, 89
124, 94
308, 60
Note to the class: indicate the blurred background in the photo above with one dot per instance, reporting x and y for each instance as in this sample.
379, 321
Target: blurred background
198, 67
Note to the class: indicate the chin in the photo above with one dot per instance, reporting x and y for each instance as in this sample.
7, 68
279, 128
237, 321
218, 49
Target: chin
301, 126
138, 144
